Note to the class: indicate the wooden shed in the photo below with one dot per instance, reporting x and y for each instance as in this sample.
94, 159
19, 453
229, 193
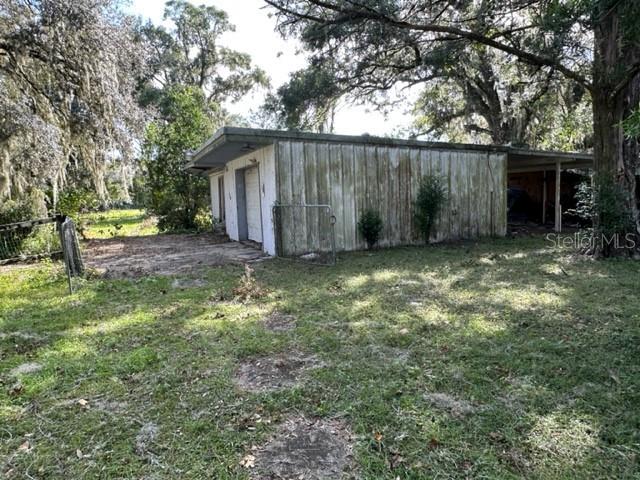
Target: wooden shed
289, 190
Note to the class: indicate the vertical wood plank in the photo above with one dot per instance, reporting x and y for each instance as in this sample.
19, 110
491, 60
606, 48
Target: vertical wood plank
324, 197
298, 188
454, 219
465, 188
348, 197
311, 195
405, 196
482, 190
393, 196
286, 197
335, 189
438, 165
383, 195
444, 163
498, 199
464, 195
416, 175
372, 195
488, 187
501, 194
475, 182
360, 173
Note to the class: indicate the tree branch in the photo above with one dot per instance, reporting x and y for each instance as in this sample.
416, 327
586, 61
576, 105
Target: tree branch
629, 76
370, 14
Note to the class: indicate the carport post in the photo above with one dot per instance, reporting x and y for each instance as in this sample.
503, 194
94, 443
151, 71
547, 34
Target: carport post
544, 197
558, 225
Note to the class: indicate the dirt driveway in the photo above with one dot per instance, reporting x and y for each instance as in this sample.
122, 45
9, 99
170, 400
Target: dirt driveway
164, 254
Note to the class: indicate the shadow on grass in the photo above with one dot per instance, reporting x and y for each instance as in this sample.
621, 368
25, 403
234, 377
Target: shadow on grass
539, 347
544, 344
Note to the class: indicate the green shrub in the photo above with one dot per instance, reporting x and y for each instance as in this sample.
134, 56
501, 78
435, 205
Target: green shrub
203, 220
12, 212
370, 226
31, 240
75, 201
172, 194
29, 207
602, 203
431, 197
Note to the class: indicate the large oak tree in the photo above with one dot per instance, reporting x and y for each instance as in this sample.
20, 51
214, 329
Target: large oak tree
68, 73
593, 43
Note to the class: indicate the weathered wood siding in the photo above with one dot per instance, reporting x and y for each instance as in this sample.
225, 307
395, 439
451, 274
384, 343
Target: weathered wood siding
352, 177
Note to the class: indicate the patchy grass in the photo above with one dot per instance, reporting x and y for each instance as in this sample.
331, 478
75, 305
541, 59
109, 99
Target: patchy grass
500, 359
118, 223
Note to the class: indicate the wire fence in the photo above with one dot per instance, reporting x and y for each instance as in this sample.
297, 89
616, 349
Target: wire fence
53, 237
305, 233
29, 240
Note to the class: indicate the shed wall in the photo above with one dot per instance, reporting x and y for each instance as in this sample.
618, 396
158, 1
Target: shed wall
214, 194
265, 161
352, 177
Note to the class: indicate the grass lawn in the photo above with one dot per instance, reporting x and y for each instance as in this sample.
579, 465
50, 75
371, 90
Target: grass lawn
118, 223
501, 359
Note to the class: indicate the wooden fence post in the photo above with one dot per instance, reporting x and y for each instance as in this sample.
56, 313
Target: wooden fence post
70, 247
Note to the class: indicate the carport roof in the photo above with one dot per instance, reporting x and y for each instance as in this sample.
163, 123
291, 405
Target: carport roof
229, 143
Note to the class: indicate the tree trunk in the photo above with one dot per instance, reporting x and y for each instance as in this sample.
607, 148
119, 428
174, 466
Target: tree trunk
615, 155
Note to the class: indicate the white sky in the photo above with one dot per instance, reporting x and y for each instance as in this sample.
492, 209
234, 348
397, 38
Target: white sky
255, 35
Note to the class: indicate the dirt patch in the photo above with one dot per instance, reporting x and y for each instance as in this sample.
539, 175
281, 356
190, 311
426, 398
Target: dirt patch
145, 441
388, 354
267, 374
31, 337
305, 448
164, 254
456, 407
25, 369
279, 322
110, 406
22, 342
182, 283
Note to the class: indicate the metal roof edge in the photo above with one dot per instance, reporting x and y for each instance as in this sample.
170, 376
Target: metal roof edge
270, 136
550, 153
266, 137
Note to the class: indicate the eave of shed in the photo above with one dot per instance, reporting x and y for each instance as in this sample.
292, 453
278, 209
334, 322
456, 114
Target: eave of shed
229, 143
524, 160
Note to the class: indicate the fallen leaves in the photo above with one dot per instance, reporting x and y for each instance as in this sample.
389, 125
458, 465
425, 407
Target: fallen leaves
25, 447
613, 376
434, 443
16, 389
248, 461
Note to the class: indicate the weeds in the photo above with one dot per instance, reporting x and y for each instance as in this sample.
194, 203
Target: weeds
248, 288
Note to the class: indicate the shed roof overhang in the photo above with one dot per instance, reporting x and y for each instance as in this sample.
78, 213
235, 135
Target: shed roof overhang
229, 143
523, 160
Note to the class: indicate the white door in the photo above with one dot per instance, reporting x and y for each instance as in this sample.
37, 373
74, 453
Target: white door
252, 192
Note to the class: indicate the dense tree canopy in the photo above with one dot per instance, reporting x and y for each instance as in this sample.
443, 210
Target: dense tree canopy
307, 101
81, 81
468, 93
68, 72
190, 53
479, 95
